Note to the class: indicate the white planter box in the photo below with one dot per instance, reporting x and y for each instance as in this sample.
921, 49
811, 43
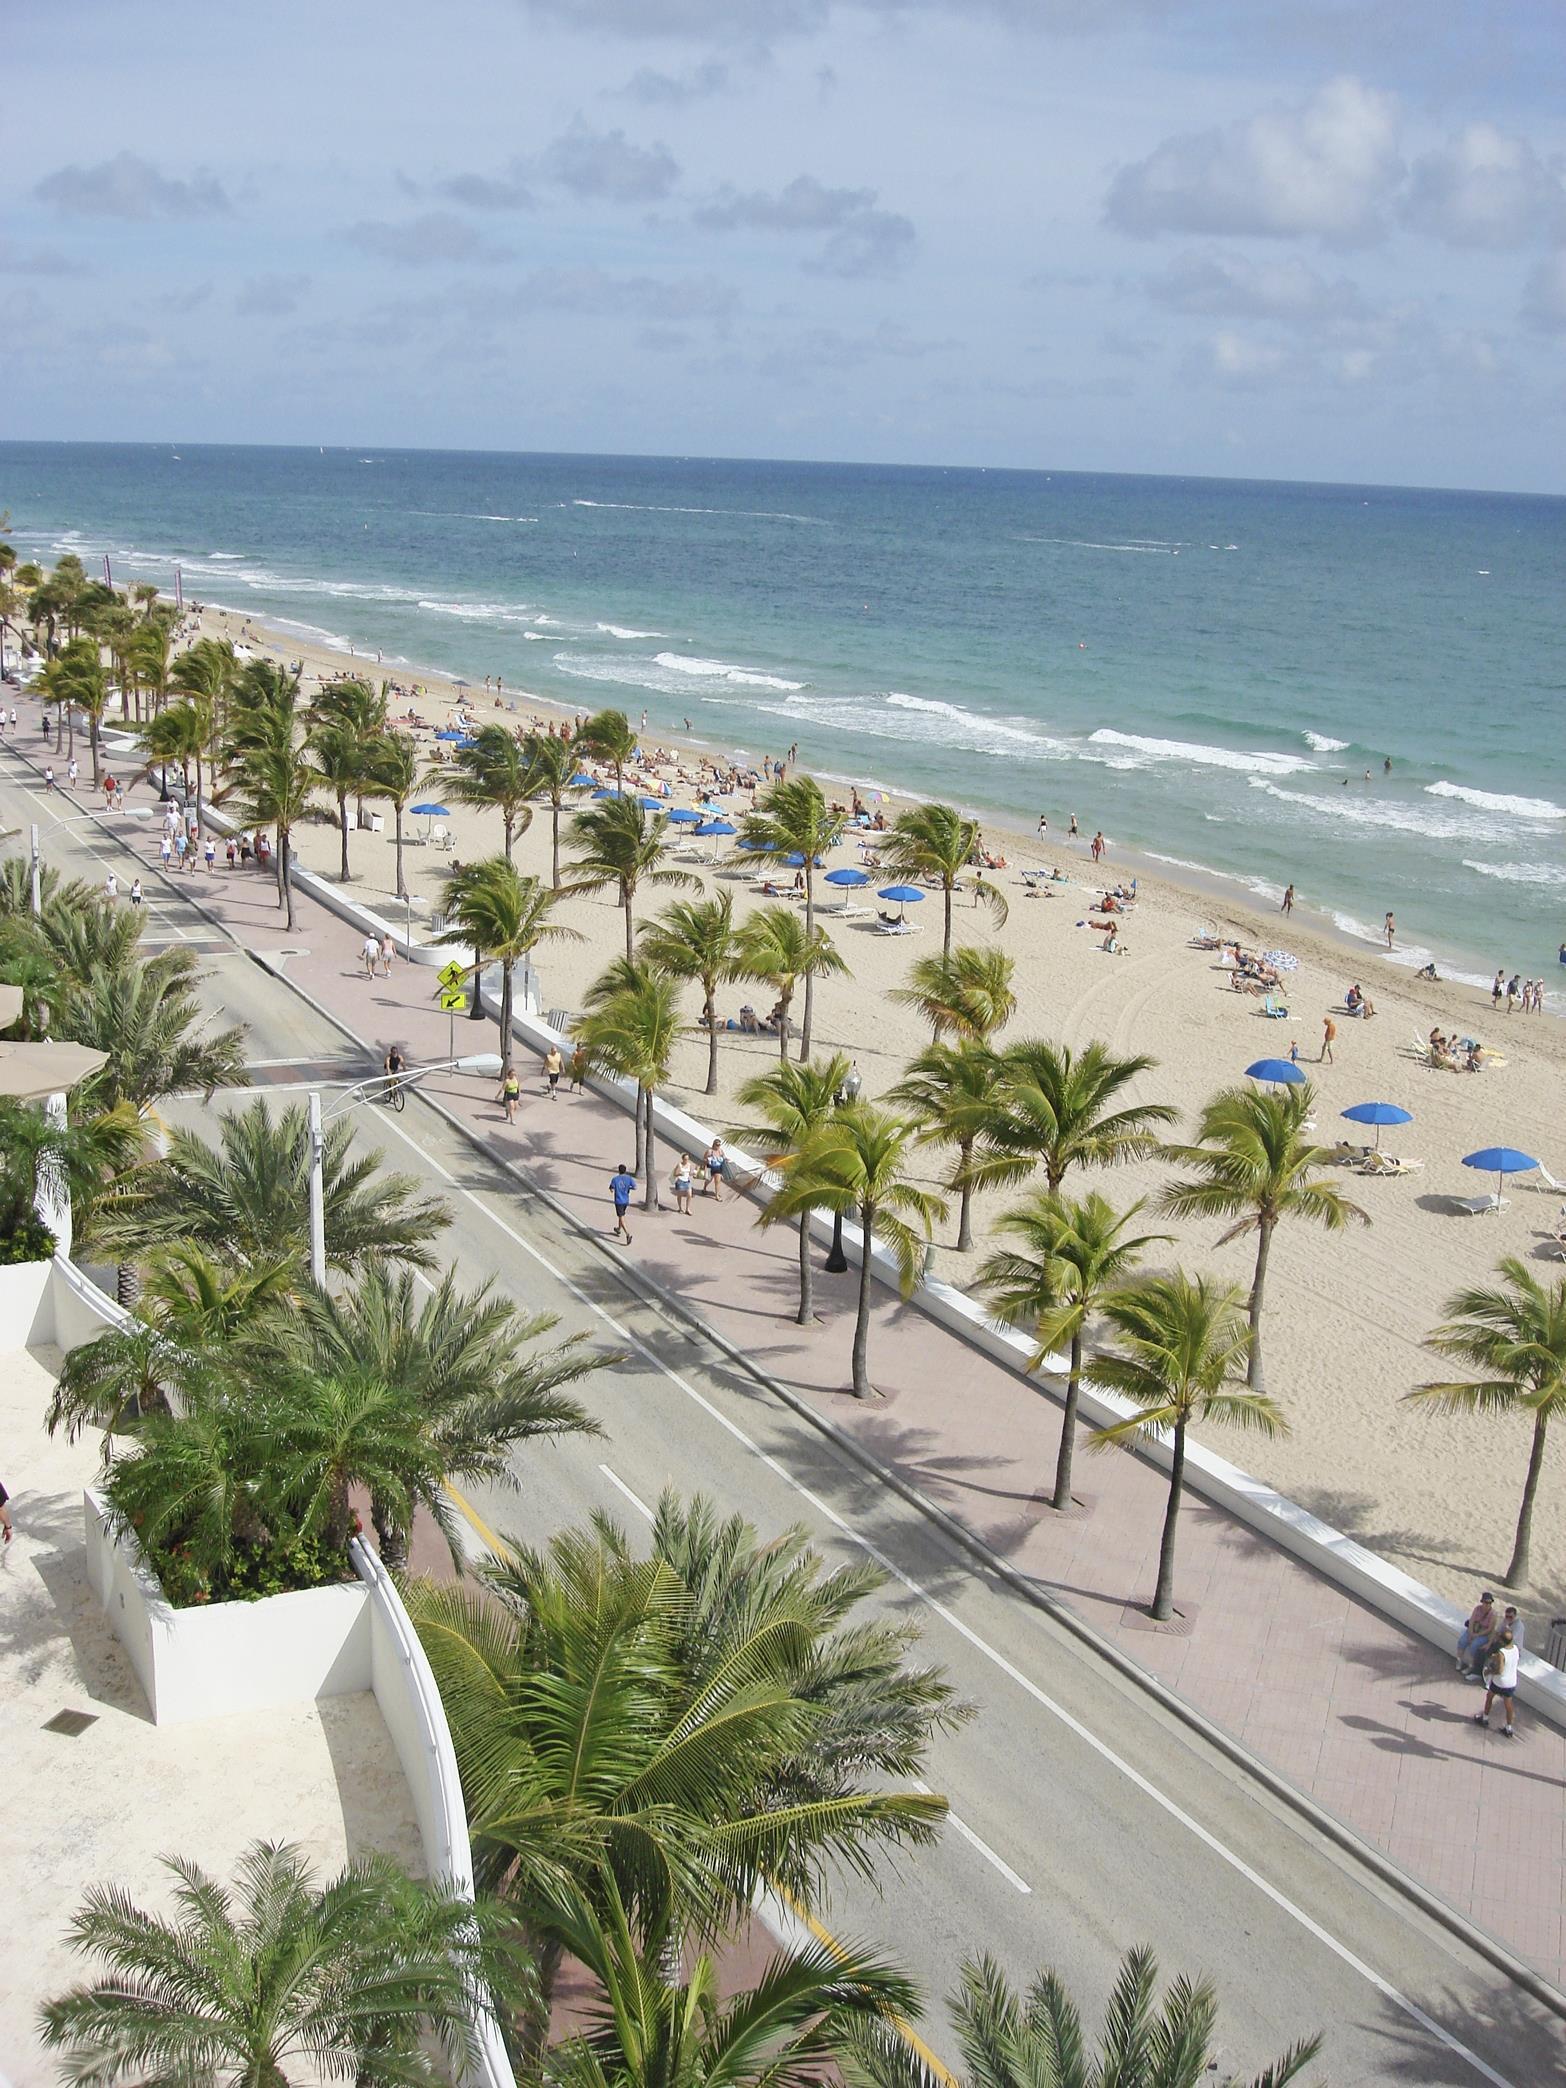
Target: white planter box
229, 1656
26, 1311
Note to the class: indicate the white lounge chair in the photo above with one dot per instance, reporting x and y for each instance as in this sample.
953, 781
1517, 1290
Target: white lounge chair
1479, 1206
1543, 1179
1375, 1163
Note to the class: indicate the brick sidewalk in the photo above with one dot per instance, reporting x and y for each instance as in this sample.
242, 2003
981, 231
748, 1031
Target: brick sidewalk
1369, 1721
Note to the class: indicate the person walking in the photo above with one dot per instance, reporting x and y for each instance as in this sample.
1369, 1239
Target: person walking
71, 773
1513, 987
712, 1161
210, 852
369, 954
388, 952
48, 779
1391, 923
181, 849
231, 851
683, 1182
1500, 1675
578, 1070
165, 850
554, 1066
1098, 846
111, 888
1329, 1030
622, 1187
1043, 826
1497, 990
1288, 901
510, 1093
135, 891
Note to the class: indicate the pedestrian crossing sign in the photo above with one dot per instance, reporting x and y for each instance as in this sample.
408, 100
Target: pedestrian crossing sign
452, 998
451, 975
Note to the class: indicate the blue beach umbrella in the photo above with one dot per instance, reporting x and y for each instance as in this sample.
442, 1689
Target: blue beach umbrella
1500, 1161
683, 815
710, 828
905, 895
449, 732
753, 847
1281, 1072
651, 804
582, 780
606, 792
847, 877
797, 861
429, 812
1377, 1113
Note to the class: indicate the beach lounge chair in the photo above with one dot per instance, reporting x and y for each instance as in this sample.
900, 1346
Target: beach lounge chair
1375, 1163
1479, 1206
886, 927
1274, 1010
1543, 1179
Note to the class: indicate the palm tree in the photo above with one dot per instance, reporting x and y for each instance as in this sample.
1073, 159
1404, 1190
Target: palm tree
391, 771
274, 782
180, 732
936, 841
281, 1981
552, 763
1052, 1111
468, 1365
632, 1031
148, 653
794, 819
495, 772
609, 736
340, 758
1256, 1163
696, 939
793, 1102
1036, 2040
858, 1161
74, 680
1182, 1345
947, 1088
618, 844
246, 1201
147, 1015
49, 1164
206, 671
1070, 1258
968, 993
1514, 1334
776, 947
494, 909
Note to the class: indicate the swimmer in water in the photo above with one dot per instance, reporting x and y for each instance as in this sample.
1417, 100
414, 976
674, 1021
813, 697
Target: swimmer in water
1386, 766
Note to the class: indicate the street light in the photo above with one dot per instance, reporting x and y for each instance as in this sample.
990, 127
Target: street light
474, 1062
85, 819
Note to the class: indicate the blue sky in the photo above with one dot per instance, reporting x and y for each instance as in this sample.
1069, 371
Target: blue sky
1272, 238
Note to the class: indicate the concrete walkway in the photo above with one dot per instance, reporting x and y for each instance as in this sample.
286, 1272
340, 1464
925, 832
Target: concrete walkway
1370, 1722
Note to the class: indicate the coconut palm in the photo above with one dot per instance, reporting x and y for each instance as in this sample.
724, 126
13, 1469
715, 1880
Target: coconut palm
47, 1164
273, 781
340, 759
155, 1361
618, 843
373, 1977
470, 1364
859, 1161
697, 940
1036, 2040
1070, 1257
246, 1201
391, 771
1514, 1334
947, 1090
494, 772
777, 947
793, 818
1180, 1356
148, 655
75, 681
1052, 1110
792, 1103
1255, 1162
552, 763
494, 909
967, 994
55, 894
632, 1031
936, 841
147, 1015
206, 671
608, 735
182, 731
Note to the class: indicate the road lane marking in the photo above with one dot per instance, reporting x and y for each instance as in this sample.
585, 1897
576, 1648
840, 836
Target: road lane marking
979, 1843
635, 1500
1210, 1841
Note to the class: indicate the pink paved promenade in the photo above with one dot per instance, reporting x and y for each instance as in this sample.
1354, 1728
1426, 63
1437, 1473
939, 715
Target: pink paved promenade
1370, 1722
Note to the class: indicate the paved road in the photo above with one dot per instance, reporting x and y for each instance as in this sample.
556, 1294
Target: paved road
1084, 1819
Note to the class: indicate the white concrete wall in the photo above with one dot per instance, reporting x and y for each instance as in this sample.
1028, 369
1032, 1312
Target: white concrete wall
81, 1311
26, 1304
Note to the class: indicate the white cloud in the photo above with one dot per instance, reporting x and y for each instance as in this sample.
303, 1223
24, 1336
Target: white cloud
128, 186
423, 242
1281, 287
609, 165
862, 240
1485, 189
1328, 167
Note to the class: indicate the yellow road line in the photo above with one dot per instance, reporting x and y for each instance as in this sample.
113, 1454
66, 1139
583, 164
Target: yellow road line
465, 1508
905, 2031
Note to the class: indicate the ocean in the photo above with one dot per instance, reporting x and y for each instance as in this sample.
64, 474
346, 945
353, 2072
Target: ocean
1206, 669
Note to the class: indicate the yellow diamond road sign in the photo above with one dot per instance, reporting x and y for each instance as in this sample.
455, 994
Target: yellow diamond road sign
452, 998
451, 975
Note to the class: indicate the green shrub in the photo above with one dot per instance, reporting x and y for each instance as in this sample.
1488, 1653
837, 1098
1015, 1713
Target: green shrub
30, 1241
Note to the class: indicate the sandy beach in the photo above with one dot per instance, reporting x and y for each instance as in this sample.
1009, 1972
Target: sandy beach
1346, 1313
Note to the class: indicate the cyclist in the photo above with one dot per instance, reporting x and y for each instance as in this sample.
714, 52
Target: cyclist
394, 1065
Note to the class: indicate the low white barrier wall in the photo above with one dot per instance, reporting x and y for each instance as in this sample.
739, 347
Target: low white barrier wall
81, 1310
26, 1304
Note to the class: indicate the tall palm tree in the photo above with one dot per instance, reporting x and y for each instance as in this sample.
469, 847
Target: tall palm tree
149, 657
494, 909
494, 772
1070, 1257
937, 841
1035, 2040
792, 1103
632, 1032
697, 940
469, 1364
391, 771
793, 818
1255, 1162
618, 843
1052, 1110
552, 763
74, 680
967, 994
246, 1201
1514, 1334
206, 671
274, 782
608, 735
947, 1090
859, 1161
279, 1980
340, 759
181, 731
1181, 1348
148, 1016
46, 1163
776, 947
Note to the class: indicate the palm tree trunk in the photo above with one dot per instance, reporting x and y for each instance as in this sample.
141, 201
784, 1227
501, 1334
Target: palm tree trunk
965, 1206
95, 752
534, 2031
342, 828
509, 827
285, 883
807, 1303
1517, 1572
1255, 1376
1061, 1497
476, 1000
201, 807
505, 1017
862, 1387
946, 932
810, 977
650, 1197
711, 1012
402, 889
554, 846
630, 927
1163, 1594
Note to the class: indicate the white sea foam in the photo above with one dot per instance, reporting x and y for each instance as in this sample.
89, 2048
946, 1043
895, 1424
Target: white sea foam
648, 507
225, 556
621, 631
725, 671
1154, 545
1254, 764
1322, 744
1497, 801
1519, 873
1356, 809
893, 714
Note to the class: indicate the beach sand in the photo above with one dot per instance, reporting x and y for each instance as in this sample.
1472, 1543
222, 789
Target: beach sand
1346, 1313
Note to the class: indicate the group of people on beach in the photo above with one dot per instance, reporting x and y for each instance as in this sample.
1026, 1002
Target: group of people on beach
1518, 993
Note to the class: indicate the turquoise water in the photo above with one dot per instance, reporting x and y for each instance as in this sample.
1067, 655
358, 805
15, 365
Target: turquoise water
1194, 665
